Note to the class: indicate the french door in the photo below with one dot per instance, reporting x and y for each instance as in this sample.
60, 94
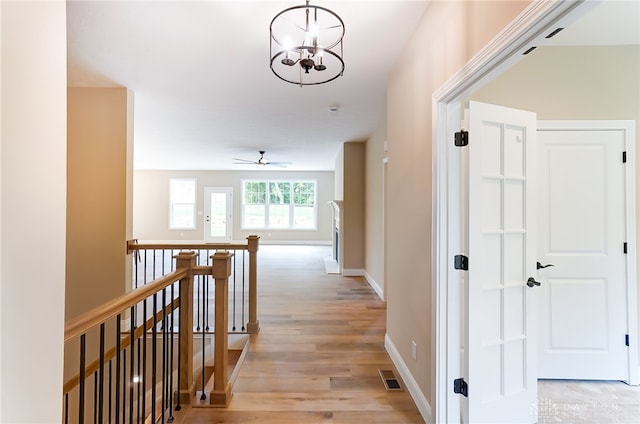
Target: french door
218, 216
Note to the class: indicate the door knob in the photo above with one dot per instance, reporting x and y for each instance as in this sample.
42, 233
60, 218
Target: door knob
540, 266
532, 282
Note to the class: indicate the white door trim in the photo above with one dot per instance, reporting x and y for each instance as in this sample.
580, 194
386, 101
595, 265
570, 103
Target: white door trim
628, 127
527, 30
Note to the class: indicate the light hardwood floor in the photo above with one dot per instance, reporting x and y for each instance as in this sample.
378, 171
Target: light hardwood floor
317, 356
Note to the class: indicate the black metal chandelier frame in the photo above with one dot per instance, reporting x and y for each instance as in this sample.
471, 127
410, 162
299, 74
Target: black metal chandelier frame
310, 55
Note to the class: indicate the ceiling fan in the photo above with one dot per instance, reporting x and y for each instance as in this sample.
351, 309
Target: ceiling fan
261, 161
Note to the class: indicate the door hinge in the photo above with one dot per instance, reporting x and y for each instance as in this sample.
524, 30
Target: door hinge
461, 138
460, 386
461, 262
624, 157
626, 340
624, 248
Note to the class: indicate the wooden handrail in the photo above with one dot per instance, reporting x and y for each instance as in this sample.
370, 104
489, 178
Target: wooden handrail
96, 316
133, 245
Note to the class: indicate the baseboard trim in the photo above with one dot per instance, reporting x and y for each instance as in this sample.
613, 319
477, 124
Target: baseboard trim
353, 272
374, 285
409, 381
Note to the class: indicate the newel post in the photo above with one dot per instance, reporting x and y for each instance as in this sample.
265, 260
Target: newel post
253, 326
187, 384
221, 270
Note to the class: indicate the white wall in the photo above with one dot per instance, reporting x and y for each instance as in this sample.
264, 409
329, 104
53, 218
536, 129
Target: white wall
32, 209
151, 205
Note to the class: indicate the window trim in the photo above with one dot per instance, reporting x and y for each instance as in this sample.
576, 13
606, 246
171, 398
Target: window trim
291, 204
195, 204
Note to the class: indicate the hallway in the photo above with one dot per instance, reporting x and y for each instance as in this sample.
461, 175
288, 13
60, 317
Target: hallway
317, 356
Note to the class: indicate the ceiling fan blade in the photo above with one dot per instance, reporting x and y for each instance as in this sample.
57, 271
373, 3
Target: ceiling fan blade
245, 160
279, 164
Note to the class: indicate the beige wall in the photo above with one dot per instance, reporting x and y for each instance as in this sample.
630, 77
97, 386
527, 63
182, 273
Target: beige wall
32, 209
444, 47
339, 175
99, 147
581, 83
151, 205
373, 211
353, 214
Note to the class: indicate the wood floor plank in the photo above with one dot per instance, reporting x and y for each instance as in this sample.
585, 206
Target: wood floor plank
318, 352
301, 401
282, 384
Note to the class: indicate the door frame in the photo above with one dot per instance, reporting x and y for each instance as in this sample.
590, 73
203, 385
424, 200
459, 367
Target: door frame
507, 48
229, 193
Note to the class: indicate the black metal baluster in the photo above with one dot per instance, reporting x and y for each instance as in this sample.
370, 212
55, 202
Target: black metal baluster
110, 388
207, 301
132, 335
135, 268
199, 278
164, 353
146, 264
170, 419
83, 342
234, 291
95, 397
203, 278
117, 388
66, 408
178, 406
244, 255
144, 358
101, 371
124, 386
154, 351
138, 383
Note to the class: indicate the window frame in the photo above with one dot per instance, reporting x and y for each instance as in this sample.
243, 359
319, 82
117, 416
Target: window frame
291, 204
172, 219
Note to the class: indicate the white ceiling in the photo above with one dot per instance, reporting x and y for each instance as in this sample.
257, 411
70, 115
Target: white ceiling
204, 93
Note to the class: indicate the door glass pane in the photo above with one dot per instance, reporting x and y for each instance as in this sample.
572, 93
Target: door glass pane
218, 221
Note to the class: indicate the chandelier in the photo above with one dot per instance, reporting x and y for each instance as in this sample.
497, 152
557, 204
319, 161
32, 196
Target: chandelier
306, 45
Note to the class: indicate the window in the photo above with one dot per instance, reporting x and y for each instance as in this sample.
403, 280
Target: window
279, 205
182, 203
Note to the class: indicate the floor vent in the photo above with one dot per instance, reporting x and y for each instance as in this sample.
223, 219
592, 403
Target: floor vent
391, 382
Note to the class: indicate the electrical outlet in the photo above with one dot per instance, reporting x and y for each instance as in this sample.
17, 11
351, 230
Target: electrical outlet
414, 350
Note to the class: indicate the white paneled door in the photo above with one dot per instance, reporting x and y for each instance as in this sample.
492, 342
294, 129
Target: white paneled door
218, 203
501, 327
582, 301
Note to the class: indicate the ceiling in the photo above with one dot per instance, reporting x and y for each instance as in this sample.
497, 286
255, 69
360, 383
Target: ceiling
204, 93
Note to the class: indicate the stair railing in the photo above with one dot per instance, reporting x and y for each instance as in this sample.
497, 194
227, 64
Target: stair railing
140, 371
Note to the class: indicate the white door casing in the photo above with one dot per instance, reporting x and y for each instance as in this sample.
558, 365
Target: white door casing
584, 310
218, 216
501, 329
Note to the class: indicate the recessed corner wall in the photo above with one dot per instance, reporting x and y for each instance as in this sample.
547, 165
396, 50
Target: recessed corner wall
98, 187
